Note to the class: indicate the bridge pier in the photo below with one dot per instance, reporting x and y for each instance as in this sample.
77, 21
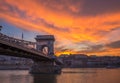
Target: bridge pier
45, 68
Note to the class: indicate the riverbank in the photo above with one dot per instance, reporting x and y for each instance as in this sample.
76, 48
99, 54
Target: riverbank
14, 67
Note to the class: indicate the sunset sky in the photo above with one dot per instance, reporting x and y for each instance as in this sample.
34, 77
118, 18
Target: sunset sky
79, 26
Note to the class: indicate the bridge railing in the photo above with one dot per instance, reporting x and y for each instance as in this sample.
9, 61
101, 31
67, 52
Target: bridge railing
18, 42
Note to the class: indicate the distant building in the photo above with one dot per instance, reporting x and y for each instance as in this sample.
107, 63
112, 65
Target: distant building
9, 62
82, 60
74, 60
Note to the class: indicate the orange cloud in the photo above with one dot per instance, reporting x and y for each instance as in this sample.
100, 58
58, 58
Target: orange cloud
64, 19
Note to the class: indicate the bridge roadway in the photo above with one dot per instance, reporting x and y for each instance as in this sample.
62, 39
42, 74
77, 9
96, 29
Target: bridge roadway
20, 48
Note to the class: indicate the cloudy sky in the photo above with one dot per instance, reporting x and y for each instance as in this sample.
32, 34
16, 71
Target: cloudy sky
79, 26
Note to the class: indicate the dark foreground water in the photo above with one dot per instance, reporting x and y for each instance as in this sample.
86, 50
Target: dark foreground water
85, 75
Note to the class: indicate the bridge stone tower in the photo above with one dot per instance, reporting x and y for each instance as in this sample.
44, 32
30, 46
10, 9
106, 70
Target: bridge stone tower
45, 43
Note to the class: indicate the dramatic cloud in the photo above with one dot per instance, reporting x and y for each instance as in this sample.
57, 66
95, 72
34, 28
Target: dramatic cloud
98, 7
115, 44
71, 21
112, 48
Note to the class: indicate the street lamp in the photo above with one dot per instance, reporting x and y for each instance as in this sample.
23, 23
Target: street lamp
0, 28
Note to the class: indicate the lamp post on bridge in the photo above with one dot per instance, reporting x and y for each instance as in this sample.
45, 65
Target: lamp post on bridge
1, 28
22, 36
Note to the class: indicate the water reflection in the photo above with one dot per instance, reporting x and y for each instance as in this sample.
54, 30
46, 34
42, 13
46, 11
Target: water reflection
44, 78
15, 76
92, 75
76, 76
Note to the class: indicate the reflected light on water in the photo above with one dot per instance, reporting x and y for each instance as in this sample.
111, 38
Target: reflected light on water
89, 75
15, 76
80, 75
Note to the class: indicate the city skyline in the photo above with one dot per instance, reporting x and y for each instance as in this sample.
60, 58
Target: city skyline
79, 26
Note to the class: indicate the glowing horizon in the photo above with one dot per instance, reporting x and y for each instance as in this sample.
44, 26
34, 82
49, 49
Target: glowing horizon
81, 26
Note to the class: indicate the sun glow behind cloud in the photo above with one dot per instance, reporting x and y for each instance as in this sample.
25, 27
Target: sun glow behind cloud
79, 26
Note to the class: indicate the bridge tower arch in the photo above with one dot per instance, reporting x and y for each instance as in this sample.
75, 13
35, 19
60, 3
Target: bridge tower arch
45, 43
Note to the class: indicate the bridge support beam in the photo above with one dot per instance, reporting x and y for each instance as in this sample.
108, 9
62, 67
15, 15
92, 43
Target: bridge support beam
44, 68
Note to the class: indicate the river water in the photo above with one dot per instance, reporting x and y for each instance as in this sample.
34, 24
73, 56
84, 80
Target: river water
78, 75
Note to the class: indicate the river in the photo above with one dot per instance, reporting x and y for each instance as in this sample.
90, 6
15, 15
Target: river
77, 75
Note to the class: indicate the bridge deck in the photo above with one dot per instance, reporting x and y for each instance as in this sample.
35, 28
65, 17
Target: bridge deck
6, 41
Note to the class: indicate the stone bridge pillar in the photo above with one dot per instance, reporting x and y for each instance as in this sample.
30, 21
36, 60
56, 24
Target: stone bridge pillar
45, 67
45, 43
